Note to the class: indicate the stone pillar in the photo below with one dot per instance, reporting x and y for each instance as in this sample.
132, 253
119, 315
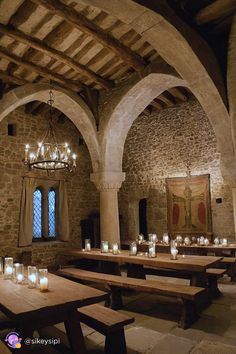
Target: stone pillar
108, 183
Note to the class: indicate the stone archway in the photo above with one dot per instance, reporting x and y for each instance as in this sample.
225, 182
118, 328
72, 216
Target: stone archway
115, 126
188, 53
67, 102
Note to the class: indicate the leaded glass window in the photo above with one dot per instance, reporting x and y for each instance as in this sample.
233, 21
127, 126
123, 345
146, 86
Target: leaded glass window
37, 213
52, 213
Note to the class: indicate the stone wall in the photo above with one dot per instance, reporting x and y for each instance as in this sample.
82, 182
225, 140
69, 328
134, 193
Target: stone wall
82, 194
158, 146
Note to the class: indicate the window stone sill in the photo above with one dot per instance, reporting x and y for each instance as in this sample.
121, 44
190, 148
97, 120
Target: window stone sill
49, 244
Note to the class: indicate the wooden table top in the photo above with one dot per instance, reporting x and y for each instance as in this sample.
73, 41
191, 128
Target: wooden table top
186, 263
229, 247
18, 299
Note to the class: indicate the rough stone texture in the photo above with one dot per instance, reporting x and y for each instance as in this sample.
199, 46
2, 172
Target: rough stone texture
82, 194
158, 146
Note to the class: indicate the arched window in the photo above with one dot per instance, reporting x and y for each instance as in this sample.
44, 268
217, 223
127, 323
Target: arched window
52, 213
37, 213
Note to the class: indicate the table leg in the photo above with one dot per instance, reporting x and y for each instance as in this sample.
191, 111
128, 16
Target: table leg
136, 271
109, 268
74, 333
199, 279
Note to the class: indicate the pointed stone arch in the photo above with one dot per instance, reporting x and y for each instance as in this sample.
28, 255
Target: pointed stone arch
67, 102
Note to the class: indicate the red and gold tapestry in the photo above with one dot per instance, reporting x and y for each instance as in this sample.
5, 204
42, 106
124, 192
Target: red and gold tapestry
188, 204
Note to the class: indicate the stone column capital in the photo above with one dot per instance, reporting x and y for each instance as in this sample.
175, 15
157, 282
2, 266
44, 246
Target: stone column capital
107, 180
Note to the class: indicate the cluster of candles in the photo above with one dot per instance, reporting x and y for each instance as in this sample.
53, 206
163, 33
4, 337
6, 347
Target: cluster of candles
15, 272
201, 241
115, 249
153, 238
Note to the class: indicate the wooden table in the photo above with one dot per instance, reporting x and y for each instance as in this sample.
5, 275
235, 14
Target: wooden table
195, 266
183, 249
31, 309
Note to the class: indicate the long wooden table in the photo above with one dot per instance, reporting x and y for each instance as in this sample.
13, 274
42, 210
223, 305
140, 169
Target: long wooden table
195, 266
30, 309
191, 249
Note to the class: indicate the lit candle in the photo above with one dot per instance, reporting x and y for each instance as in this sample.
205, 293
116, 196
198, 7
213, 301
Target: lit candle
104, 247
206, 242
224, 242
133, 249
165, 239
43, 279
151, 250
87, 245
32, 277
115, 248
19, 272
174, 253
8, 268
140, 238
43, 284
74, 160
216, 241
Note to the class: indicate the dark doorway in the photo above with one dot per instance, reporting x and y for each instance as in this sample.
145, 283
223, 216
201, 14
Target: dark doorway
143, 216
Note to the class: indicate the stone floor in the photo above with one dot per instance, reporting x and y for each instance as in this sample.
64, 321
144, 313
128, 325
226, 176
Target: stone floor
155, 330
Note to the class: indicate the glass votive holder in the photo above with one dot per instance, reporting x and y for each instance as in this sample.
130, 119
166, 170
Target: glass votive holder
32, 277
165, 239
133, 249
115, 248
1, 265
104, 247
224, 242
87, 245
151, 250
173, 253
8, 268
140, 238
216, 241
43, 279
19, 273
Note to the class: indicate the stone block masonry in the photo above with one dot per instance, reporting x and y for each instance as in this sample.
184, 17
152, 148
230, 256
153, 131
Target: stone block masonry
158, 146
82, 194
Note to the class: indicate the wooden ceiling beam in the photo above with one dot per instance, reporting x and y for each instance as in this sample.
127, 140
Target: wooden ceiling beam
53, 53
156, 105
11, 79
178, 93
83, 24
218, 9
71, 84
164, 97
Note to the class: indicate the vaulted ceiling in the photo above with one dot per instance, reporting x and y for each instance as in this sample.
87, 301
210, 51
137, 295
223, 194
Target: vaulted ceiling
87, 50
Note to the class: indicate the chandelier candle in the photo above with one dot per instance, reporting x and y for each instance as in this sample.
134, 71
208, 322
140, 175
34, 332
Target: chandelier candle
32, 277
8, 268
48, 154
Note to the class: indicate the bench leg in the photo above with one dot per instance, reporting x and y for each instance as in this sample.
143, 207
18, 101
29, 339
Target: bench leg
136, 271
116, 298
231, 272
189, 313
115, 343
213, 289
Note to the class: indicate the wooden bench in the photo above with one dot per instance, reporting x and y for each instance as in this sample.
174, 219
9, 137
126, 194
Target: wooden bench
186, 295
108, 322
230, 264
5, 322
213, 274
